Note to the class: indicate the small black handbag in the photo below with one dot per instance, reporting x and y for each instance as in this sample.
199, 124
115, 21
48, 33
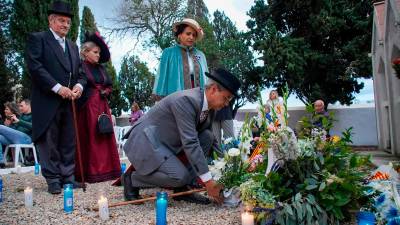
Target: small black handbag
104, 124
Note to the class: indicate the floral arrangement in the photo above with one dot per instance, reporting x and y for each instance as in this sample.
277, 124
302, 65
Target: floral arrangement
396, 66
318, 179
231, 169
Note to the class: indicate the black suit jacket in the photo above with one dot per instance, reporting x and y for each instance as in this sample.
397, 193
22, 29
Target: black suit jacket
48, 66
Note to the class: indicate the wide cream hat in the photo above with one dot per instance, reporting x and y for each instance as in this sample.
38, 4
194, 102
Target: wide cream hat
192, 23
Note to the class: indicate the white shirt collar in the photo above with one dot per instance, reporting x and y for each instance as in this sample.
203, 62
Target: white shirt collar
205, 103
56, 35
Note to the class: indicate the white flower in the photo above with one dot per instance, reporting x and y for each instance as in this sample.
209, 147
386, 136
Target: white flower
233, 152
220, 164
228, 140
246, 144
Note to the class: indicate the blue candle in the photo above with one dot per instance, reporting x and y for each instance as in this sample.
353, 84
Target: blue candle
37, 168
123, 167
68, 198
365, 218
161, 208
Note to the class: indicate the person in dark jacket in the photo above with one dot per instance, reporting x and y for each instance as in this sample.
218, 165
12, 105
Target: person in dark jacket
53, 63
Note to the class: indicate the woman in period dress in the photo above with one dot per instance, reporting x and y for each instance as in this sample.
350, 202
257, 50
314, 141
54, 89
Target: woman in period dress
100, 159
181, 66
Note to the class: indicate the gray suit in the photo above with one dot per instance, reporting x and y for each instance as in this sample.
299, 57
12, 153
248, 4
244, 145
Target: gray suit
171, 126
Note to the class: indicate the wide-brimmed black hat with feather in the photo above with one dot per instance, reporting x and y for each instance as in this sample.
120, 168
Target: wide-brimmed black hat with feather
99, 41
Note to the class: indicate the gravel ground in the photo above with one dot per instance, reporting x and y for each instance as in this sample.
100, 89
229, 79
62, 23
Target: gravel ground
48, 209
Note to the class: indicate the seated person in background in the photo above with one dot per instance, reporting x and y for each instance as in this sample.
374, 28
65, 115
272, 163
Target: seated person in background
319, 114
136, 113
17, 128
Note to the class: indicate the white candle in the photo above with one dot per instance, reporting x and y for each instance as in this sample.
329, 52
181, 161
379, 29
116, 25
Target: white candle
103, 208
19, 169
247, 218
28, 197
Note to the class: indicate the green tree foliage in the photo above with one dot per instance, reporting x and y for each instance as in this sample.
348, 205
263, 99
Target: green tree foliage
88, 23
235, 55
136, 82
150, 18
31, 16
7, 70
319, 48
116, 101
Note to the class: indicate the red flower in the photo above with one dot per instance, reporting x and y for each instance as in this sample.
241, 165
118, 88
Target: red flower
396, 61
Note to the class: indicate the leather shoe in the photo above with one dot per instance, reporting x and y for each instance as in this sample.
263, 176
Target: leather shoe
2, 165
54, 188
130, 193
192, 198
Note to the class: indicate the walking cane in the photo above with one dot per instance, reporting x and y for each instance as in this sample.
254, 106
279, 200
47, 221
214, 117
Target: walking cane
152, 198
78, 147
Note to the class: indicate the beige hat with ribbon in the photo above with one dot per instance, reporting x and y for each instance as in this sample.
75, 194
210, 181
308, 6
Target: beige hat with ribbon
192, 23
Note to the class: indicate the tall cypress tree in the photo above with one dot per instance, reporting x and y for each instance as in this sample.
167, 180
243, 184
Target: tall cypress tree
116, 101
88, 24
136, 81
7, 74
31, 16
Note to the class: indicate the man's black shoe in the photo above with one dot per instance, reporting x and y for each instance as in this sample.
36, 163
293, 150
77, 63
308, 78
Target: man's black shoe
2, 165
130, 193
192, 198
54, 188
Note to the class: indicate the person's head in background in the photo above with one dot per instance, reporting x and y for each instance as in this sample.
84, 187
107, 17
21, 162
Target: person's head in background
135, 107
10, 108
319, 106
25, 106
187, 32
273, 95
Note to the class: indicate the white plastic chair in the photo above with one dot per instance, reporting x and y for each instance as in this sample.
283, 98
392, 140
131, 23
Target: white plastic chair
121, 142
18, 151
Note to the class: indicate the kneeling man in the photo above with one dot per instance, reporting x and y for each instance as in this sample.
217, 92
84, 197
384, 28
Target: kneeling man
179, 123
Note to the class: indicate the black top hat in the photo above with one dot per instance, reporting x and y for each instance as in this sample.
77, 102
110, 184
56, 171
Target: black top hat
99, 41
226, 79
60, 7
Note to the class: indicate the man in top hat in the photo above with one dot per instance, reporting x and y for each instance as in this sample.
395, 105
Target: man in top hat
53, 62
179, 123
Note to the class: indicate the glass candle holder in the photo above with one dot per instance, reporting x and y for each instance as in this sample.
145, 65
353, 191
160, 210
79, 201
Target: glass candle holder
161, 208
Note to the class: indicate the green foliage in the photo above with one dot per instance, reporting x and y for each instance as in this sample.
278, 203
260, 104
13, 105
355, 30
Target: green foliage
116, 101
235, 55
319, 48
332, 176
136, 82
88, 23
254, 194
302, 210
7, 69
